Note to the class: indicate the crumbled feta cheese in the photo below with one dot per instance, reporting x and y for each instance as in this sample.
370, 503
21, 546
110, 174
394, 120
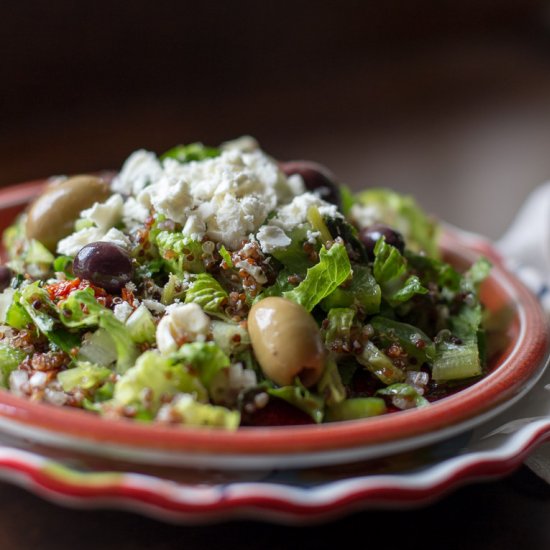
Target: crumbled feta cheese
194, 227
69, 246
134, 214
271, 238
154, 306
122, 311
246, 144
105, 214
117, 237
140, 169
181, 321
312, 236
294, 214
296, 184
230, 195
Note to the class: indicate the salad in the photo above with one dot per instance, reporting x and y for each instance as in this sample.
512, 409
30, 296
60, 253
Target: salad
216, 286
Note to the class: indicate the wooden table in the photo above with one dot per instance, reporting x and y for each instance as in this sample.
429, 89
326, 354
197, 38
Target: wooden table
508, 514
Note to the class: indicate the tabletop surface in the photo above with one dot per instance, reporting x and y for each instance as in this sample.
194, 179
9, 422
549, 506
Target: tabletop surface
504, 514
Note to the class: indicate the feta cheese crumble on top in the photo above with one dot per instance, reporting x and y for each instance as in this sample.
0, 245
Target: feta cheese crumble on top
227, 198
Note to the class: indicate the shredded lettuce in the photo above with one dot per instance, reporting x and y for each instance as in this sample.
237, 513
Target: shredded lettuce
338, 332
204, 358
205, 291
331, 387
405, 391
403, 213
180, 254
85, 376
191, 152
322, 279
362, 292
379, 364
301, 398
81, 310
10, 358
141, 326
193, 413
159, 377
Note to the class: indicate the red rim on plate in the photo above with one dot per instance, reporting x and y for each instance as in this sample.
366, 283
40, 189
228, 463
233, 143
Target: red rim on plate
521, 361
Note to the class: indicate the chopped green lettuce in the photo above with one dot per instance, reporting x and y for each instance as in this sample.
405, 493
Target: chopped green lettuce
362, 292
322, 279
85, 376
379, 364
204, 358
180, 254
141, 326
301, 398
191, 152
193, 413
330, 386
403, 214
407, 392
154, 377
205, 291
10, 358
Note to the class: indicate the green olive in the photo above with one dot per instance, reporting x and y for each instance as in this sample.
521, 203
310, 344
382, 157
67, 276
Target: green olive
52, 215
287, 342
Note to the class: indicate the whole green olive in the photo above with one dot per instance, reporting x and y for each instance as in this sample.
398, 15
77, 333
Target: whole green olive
51, 216
287, 342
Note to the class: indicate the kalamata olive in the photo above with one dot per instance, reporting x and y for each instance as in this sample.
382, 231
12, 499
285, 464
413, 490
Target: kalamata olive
52, 215
287, 341
104, 264
6, 275
370, 235
316, 178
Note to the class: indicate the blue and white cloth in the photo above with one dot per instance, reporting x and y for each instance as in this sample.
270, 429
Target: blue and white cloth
526, 249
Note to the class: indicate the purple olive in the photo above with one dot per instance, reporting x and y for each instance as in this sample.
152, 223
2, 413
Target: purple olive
105, 265
370, 235
316, 178
6, 275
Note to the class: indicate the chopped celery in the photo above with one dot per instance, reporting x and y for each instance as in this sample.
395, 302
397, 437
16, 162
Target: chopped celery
380, 365
456, 361
354, 408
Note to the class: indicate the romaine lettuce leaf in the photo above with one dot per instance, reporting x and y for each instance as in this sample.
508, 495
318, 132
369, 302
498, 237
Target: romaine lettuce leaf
205, 358
180, 254
205, 291
193, 413
402, 213
322, 279
156, 376
191, 152
301, 398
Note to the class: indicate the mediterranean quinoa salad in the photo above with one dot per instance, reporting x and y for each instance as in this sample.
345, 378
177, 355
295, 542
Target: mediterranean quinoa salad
219, 287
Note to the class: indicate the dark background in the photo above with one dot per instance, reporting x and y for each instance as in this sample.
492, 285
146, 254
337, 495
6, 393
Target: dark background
448, 100
445, 99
